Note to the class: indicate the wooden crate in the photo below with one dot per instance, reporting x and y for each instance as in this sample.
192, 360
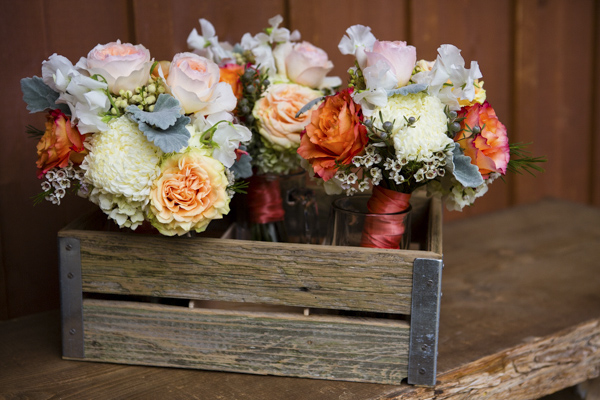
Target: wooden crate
339, 313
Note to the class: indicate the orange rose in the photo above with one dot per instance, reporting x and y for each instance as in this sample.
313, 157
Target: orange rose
483, 138
230, 73
61, 142
190, 192
335, 135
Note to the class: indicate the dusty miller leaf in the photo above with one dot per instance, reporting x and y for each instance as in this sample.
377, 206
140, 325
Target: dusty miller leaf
165, 114
169, 140
40, 97
410, 89
466, 173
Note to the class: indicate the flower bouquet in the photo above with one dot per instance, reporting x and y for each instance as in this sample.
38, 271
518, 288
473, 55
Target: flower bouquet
276, 76
404, 124
144, 140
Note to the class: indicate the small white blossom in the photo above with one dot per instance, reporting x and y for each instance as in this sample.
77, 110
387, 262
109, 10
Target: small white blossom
364, 185
46, 186
351, 178
419, 176
357, 160
50, 175
389, 164
398, 178
350, 191
430, 174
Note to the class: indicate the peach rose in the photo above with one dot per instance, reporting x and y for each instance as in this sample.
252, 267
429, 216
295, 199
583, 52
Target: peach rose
307, 64
334, 136
123, 65
276, 113
194, 81
61, 142
230, 73
483, 138
190, 192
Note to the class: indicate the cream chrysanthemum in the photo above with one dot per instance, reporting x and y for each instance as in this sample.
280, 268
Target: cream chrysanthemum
426, 136
121, 166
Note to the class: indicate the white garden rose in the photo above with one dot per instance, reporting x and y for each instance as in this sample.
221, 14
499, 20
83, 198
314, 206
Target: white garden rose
123, 65
194, 81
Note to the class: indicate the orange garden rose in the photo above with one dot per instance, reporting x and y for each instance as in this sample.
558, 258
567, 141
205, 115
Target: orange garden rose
61, 142
230, 73
489, 148
190, 192
335, 135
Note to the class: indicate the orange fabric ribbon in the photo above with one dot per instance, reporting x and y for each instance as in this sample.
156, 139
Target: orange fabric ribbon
385, 231
264, 199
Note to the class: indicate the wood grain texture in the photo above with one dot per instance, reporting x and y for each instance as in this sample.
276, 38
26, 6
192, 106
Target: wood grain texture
540, 367
163, 27
324, 23
550, 36
245, 271
323, 347
595, 144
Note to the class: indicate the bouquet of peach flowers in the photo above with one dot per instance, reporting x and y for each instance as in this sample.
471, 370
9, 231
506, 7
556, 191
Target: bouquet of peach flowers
144, 140
404, 124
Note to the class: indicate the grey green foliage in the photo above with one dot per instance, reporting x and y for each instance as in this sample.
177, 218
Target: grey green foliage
466, 173
40, 97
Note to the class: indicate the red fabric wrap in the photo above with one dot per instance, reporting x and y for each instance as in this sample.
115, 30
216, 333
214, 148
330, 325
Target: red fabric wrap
264, 199
385, 231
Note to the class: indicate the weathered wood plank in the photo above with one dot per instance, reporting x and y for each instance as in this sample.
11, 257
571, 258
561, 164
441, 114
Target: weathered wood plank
323, 347
245, 271
529, 371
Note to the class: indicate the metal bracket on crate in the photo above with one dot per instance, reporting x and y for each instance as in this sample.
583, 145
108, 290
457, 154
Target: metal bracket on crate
425, 321
71, 300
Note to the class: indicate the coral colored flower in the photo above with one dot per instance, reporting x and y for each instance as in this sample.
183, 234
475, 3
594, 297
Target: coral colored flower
190, 192
60, 143
123, 65
489, 149
335, 135
276, 113
230, 73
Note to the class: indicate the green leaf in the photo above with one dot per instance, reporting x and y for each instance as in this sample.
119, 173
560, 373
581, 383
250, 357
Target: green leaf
169, 140
466, 173
40, 97
166, 112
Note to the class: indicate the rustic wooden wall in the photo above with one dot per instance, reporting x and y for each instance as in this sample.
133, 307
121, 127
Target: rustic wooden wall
539, 58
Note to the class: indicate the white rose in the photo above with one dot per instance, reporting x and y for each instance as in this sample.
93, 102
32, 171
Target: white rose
306, 64
194, 81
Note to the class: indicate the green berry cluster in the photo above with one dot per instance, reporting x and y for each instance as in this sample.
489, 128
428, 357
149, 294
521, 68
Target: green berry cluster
143, 97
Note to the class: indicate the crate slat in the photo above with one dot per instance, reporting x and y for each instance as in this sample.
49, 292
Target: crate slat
245, 271
324, 347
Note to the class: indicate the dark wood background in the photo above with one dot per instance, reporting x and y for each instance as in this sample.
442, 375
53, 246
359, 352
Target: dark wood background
540, 60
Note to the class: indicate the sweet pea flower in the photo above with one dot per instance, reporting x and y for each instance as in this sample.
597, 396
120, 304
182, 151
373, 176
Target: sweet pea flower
56, 72
123, 65
194, 81
87, 100
449, 67
357, 41
207, 44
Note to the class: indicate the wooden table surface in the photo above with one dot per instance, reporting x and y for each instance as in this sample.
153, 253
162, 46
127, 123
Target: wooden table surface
520, 319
